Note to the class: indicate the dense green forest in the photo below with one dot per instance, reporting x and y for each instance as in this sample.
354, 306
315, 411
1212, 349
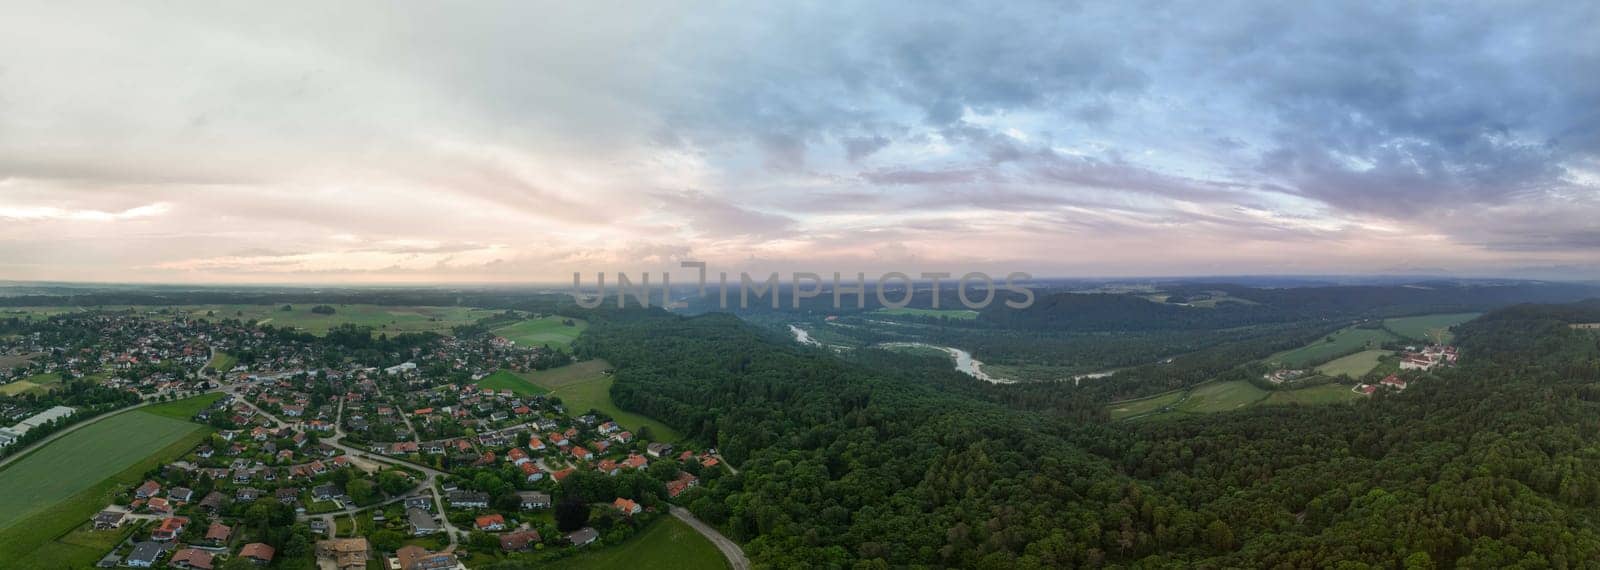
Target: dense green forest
884, 460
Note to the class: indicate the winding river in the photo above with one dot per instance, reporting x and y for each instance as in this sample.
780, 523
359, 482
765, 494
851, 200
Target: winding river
964, 360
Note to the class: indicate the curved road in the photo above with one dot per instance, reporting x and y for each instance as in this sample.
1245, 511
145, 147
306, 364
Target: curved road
729, 548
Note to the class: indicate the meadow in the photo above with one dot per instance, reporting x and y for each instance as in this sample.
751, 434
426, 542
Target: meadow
36, 384
50, 492
1343, 342
551, 331
1131, 408
1215, 397
1314, 395
506, 379
1428, 327
1354, 365
583, 386
668, 544
222, 362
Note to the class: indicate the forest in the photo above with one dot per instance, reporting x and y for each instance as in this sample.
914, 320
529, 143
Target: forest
880, 460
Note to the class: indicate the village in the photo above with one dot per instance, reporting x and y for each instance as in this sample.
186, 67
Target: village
412, 464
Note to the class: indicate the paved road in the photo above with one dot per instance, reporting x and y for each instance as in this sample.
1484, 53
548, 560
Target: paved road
729, 548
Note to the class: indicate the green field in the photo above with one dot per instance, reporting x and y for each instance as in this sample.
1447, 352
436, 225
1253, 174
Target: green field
1222, 397
1314, 395
383, 319
36, 384
222, 362
184, 409
582, 386
957, 314
1131, 408
1345, 341
1428, 327
52, 491
1355, 365
9, 361
545, 331
506, 379
669, 544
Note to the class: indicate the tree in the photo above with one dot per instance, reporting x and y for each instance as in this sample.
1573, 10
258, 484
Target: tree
388, 540
571, 514
361, 491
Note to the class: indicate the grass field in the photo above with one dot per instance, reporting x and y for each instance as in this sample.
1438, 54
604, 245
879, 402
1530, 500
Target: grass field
383, 319
506, 379
1428, 327
51, 492
1355, 365
957, 314
222, 362
183, 409
543, 331
1130, 408
36, 384
1315, 395
1222, 397
1345, 341
669, 544
9, 361
582, 386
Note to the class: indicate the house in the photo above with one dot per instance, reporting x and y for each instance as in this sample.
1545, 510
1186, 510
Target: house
582, 536
1367, 389
490, 523
345, 553
218, 533
325, 492
213, 502
418, 502
608, 467
469, 499
147, 490
169, 529
657, 450
531, 471
258, 552
534, 500
684, 481
107, 520
159, 506
626, 506
581, 454
562, 474
145, 554
191, 558
622, 437
517, 456
418, 558
535, 444
287, 495
422, 523
246, 494
635, 461
1393, 381
180, 494
519, 541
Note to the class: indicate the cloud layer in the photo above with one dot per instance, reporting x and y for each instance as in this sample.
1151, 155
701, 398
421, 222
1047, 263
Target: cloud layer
519, 141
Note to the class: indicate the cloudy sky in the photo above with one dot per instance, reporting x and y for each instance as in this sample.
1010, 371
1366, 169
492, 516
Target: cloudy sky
520, 141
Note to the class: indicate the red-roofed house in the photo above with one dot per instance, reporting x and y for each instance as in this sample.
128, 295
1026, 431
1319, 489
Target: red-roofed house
627, 506
491, 523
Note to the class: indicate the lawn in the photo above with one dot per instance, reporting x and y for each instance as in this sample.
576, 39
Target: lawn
1355, 365
1428, 327
1315, 395
957, 314
669, 544
52, 491
546, 331
1130, 408
1344, 341
506, 379
1222, 397
183, 409
582, 386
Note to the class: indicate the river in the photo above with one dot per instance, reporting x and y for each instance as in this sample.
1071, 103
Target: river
964, 361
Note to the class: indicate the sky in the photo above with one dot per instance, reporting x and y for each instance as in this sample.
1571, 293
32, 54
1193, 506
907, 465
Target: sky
439, 142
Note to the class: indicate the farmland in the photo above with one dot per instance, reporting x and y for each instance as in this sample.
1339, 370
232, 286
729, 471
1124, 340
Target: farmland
552, 331
508, 380
51, 491
1428, 327
1354, 365
582, 386
1340, 343
1221, 397
668, 544
1131, 408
